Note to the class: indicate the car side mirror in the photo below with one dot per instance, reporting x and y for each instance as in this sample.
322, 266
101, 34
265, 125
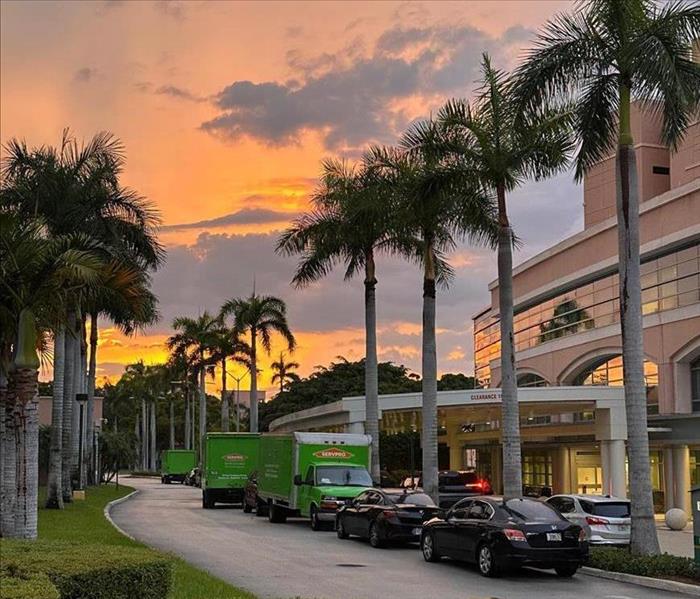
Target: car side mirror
297, 480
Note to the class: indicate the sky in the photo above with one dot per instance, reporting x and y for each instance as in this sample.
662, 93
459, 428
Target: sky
226, 110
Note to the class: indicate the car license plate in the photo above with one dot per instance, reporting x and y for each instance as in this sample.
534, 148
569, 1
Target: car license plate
554, 536
416, 531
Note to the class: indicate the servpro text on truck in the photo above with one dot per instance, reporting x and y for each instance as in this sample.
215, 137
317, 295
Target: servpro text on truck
228, 460
312, 474
175, 464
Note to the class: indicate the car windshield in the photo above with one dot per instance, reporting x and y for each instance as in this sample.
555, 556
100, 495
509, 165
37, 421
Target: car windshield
611, 509
343, 476
420, 499
458, 479
531, 511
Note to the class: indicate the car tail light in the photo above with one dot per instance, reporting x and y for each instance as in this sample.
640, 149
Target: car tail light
388, 514
513, 534
593, 521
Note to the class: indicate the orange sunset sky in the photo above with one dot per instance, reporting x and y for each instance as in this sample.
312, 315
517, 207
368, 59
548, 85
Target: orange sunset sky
226, 109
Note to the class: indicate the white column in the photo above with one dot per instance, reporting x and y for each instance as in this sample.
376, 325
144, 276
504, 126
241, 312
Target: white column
562, 470
669, 491
681, 478
605, 466
618, 475
356, 427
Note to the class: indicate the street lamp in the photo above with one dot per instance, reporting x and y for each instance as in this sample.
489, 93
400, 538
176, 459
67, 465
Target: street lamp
81, 398
238, 380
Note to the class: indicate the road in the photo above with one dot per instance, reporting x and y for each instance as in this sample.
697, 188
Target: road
289, 560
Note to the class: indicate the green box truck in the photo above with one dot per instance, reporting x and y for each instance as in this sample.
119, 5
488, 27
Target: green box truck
228, 460
312, 474
175, 464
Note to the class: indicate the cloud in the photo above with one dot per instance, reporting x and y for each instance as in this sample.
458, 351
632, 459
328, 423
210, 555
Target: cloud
349, 98
180, 93
171, 8
245, 216
85, 74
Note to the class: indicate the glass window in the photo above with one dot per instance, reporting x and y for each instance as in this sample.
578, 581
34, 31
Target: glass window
309, 480
695, 385
420, 499
531, 510
343, 476
612, 509
480, 511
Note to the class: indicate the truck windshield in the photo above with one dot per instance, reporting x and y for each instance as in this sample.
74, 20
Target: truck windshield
343, 476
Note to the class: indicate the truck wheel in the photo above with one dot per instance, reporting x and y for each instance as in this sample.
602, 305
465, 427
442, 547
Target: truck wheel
167, 480
316, 524
276, 514
207, 501
261, 509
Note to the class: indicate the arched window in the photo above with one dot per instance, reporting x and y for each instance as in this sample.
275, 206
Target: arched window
610, 373
530, 379
695, 384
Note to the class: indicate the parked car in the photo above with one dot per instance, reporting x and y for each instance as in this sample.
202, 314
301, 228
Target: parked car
454, 485
193, 478
497, 534
605, 519
385, 515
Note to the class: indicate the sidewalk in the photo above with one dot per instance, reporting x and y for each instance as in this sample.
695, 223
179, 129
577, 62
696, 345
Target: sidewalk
676, 542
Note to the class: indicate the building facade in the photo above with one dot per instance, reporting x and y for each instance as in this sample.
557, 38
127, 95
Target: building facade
568, 346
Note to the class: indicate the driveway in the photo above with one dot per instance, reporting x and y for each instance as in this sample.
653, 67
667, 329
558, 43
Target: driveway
289, 560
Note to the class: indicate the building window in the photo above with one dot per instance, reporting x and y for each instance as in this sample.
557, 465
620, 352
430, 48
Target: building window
660, 170
530, 379
610, 373
695, 385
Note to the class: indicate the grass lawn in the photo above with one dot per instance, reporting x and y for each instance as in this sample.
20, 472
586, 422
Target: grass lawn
84, 522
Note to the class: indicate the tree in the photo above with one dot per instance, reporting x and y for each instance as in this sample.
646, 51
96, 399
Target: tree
437, 202
601, 58
504, 147
261, 315
195, 338
567, 318
38, 274
350, 224
283, 372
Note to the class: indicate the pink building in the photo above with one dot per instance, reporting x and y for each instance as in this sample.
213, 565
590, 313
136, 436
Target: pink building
46, 403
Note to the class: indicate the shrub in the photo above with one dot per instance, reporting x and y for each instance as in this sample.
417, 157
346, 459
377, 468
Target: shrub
92, 571
16, 583
655, 566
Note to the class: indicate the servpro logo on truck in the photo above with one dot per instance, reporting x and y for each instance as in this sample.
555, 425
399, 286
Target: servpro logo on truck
333, 453
234, 457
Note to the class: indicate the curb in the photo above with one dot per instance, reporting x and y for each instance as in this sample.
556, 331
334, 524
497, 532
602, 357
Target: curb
644, 581
109, 507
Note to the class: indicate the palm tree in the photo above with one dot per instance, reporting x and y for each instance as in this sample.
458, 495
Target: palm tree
601, 58
39, 274
196, 338
227, 345
283, 372
504, 147
350, 223
437, 202
261, 315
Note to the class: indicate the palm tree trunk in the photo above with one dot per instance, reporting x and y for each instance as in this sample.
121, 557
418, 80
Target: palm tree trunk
202, 409
139, 445
371, 373
152, 438
26, 419
188, 423
54, 495
8, 488
172, 424
429, 359
68, 400
253, 426
90, 418
644, 540
77, 388
144, 435
510, 430
224, 398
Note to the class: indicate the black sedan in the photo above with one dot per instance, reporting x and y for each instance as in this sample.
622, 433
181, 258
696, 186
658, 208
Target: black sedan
497, 534
384, 515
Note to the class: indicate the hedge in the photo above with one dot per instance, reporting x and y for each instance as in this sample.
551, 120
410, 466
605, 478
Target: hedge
22, 584
655, 566
92, 571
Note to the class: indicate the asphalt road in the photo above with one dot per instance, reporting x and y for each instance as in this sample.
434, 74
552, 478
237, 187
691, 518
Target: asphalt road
290, 560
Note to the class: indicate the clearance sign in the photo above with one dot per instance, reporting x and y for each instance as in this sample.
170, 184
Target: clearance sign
333, 453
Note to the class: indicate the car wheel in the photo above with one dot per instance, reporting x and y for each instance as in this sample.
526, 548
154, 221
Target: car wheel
375, 538
340, 529
315, 522
566, 570
487, 562
246, 507
428, 548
